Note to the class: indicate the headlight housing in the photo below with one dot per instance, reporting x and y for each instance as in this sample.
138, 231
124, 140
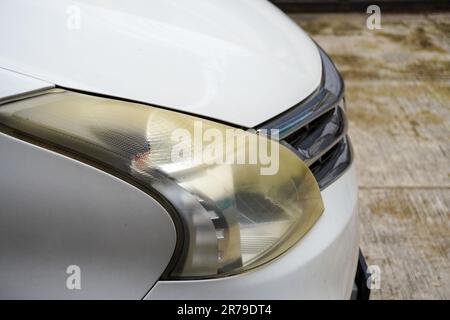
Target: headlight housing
229, 216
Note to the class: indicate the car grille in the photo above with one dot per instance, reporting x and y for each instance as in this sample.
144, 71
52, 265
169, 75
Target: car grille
324, 146
316, 129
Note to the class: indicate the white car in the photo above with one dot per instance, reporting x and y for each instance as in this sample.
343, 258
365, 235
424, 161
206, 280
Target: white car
101, 197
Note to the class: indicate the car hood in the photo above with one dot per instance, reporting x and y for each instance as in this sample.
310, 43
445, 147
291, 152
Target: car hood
240, 61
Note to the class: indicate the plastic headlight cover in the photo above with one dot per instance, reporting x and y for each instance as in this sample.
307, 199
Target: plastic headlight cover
231, 217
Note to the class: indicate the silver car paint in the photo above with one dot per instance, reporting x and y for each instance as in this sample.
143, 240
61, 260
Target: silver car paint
56, 212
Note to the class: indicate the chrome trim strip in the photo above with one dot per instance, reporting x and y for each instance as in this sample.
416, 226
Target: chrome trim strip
326, 139
325, 98
335, 167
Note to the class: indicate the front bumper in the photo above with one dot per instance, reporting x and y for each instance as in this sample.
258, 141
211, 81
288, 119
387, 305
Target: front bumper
320, 266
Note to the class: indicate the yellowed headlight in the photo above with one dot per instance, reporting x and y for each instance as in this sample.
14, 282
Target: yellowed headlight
232, 217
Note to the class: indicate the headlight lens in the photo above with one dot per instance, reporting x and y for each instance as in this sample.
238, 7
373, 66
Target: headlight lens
231, 217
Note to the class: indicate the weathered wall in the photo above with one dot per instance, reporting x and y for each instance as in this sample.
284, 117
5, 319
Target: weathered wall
398, 95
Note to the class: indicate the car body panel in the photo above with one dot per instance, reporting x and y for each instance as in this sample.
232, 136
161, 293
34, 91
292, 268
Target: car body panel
57, 212
321, 265
13, 84
241, 62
